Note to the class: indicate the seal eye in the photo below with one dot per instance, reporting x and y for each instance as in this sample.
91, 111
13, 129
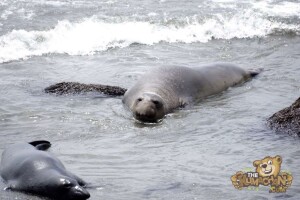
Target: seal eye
270, 162
139, 99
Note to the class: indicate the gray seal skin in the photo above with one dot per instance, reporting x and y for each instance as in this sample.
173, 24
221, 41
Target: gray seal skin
28, 168
164, 89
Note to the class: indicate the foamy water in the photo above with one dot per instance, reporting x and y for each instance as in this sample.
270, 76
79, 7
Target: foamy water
193, 152
282, 9
93, 34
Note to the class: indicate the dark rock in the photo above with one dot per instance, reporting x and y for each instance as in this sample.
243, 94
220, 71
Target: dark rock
78, 88
287, 120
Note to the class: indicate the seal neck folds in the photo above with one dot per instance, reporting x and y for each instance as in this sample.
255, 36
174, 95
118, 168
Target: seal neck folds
149, 107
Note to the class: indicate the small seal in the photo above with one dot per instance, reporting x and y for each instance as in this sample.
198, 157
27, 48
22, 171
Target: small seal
27, 167
164, 89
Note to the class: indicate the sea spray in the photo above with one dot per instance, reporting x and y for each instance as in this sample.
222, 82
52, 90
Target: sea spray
92, 35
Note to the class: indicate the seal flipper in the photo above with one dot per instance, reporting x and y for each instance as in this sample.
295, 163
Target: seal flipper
42, 145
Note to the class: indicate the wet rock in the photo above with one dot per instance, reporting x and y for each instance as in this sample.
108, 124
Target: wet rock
78, 88
287, 120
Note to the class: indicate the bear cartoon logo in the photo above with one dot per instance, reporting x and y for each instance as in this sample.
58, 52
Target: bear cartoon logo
267, 173
269, 166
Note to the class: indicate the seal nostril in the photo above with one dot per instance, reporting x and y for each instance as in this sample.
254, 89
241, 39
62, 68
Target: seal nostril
139, 99
264, 166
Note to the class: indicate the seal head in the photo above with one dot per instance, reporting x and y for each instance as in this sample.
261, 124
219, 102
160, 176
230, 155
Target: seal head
149, 107
62, 187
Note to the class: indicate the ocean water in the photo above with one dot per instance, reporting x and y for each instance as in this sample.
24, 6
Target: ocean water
193, 152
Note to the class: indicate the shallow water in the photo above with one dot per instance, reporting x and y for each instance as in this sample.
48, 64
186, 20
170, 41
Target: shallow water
193, 152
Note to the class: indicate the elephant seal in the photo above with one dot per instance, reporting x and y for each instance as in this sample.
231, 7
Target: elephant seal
28, 168
164, 89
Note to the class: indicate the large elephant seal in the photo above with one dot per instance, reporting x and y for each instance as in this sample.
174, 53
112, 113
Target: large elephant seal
27, 167
164, 89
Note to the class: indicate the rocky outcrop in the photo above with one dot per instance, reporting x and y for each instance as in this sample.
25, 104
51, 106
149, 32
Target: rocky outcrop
287, 120
78, 88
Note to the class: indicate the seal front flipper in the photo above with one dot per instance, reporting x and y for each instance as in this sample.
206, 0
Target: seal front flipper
78, 88
41, 144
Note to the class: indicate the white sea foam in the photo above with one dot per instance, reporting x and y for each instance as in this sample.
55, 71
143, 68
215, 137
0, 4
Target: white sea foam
54, 3
49, 2
91, 35
282, 9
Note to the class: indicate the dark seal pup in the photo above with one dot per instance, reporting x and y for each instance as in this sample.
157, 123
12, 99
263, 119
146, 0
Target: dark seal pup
28, 168
164, 89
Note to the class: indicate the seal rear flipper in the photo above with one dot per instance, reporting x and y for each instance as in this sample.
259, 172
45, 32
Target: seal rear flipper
41, 144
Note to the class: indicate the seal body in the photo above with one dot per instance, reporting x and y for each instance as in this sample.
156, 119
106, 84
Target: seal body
164, 89
28, 168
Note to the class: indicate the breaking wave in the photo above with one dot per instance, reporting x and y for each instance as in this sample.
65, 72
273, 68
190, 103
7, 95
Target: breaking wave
92, 35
